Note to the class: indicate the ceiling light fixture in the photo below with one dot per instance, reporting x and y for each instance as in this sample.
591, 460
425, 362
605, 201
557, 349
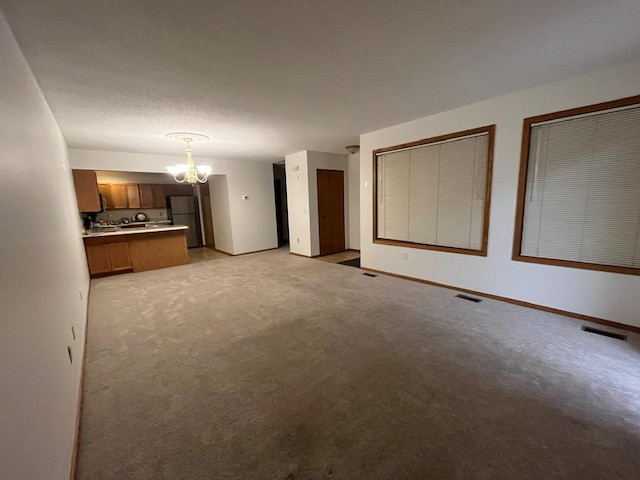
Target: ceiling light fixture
188, 172
352, 148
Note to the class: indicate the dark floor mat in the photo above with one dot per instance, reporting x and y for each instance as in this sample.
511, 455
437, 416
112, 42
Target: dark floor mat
354, 262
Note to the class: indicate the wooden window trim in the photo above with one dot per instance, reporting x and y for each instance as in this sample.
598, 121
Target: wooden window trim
522, 186
490, 130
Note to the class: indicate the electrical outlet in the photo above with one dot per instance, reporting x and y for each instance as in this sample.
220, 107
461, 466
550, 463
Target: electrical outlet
405, 256
298, 239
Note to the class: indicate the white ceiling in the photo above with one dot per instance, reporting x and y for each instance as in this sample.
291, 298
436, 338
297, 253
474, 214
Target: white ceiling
265, 78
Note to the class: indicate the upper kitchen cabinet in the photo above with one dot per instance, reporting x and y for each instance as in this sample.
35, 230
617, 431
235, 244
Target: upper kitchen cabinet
159, 196
115, 194
133, 195
86, 185
146, 195
105, 191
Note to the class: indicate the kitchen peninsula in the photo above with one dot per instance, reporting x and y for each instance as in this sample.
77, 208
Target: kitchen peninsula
135, 249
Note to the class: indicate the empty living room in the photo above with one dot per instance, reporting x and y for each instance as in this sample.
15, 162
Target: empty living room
298, 240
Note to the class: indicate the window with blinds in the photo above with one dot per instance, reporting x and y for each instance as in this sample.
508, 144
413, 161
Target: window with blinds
435, 193
579, 202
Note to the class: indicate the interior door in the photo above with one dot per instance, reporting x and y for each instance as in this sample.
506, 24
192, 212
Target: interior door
207, 218
331, 211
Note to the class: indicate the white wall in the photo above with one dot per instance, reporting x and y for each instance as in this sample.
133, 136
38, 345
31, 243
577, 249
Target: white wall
604, 295
42, 266
354, 201
222, 232
302, 198
253, 221
298, 203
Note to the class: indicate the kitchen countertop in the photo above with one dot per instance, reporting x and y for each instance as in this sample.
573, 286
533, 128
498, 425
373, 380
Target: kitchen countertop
134, 231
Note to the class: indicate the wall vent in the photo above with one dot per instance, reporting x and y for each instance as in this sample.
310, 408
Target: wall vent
597, 331
367, 274
467, 297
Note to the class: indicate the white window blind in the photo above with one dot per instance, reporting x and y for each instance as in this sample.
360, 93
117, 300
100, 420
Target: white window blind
434, 194
582, 198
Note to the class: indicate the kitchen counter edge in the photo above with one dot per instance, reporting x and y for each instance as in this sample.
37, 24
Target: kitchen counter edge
135, 231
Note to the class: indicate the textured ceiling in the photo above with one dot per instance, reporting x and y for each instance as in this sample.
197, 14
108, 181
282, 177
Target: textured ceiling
268, 78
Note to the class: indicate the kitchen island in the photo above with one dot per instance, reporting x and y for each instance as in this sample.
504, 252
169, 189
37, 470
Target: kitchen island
121, 250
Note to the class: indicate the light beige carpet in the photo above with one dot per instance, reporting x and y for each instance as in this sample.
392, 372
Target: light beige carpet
271, 366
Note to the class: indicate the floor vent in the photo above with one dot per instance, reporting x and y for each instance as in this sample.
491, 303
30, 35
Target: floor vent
370, 274
467, 297
597, 331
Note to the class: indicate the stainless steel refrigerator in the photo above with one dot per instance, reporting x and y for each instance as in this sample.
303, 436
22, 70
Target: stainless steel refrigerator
183, 210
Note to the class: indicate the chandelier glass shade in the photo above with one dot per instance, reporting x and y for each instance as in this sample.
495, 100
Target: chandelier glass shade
189, 172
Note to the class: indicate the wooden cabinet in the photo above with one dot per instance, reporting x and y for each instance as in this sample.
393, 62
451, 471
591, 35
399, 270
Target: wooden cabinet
105, 191
86, 185
146, 195
140, 195
108, 258
119, 256
133, 195
98, 259
159, 200
118, 196
137, 252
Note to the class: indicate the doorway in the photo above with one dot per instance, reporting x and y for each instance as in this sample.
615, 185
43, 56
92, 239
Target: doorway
331, 211
207, 217
282, 213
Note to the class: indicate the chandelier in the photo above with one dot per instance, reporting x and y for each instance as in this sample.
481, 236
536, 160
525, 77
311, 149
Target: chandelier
188, 172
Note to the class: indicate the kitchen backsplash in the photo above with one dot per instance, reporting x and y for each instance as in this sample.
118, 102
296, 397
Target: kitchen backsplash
152, 213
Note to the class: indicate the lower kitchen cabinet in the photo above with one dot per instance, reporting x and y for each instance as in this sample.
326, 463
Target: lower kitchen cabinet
120, 256
137, 252
108, 258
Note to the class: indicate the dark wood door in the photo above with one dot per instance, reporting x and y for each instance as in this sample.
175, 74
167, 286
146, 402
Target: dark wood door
207, 217
331, 211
